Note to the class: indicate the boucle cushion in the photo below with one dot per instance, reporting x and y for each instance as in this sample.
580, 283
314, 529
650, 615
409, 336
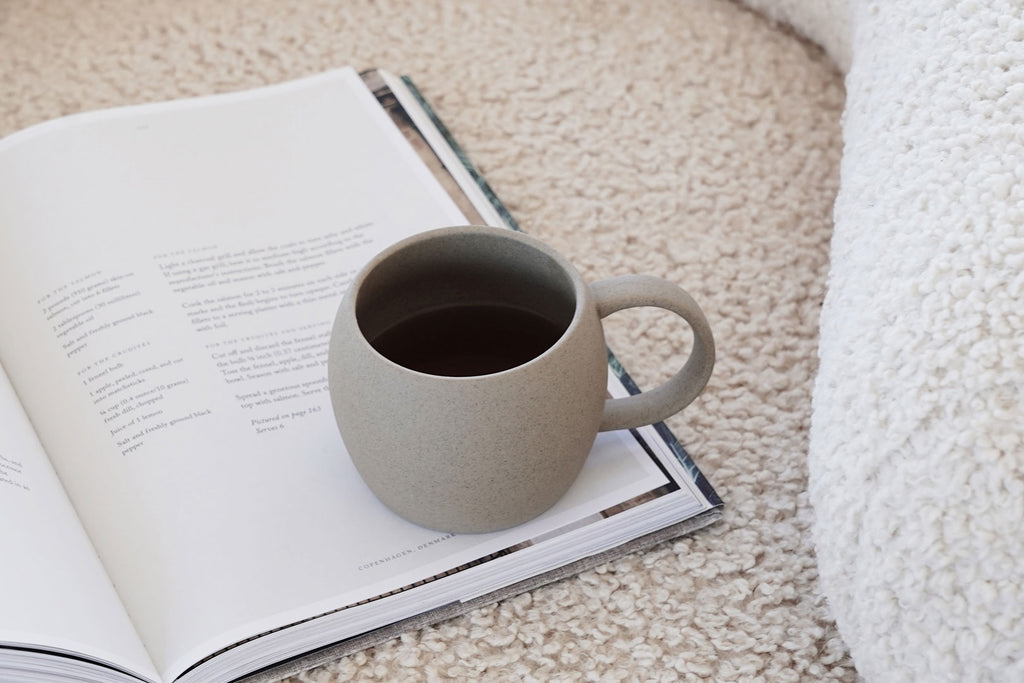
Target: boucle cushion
916, 454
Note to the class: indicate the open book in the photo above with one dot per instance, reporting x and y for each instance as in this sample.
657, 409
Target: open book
176, 502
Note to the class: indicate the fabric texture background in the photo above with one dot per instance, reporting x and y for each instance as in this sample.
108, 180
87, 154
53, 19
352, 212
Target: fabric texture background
917, 438
701, 142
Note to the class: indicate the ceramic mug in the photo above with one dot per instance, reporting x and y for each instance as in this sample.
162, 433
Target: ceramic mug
468, 374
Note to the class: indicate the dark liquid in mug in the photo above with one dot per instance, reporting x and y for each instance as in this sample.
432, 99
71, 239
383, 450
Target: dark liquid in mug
463, 341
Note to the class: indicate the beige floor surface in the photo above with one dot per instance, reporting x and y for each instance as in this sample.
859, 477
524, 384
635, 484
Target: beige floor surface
690, 140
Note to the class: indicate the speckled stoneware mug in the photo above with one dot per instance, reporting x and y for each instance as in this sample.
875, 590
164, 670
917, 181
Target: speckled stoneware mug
468, 374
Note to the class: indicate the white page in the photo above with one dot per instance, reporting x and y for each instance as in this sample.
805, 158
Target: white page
182, 264
53, 591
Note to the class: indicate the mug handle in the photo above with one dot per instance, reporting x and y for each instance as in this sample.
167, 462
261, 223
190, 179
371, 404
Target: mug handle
632, 291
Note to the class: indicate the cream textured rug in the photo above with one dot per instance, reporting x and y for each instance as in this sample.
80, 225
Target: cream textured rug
691, 140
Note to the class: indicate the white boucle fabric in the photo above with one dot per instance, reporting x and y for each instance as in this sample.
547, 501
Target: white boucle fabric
917, 433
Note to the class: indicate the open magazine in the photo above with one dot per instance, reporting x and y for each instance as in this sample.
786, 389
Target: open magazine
177, 501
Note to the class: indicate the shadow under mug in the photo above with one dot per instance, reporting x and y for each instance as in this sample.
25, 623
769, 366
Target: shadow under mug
468, 374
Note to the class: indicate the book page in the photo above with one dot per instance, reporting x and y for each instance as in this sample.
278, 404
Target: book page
54, 592
178, 267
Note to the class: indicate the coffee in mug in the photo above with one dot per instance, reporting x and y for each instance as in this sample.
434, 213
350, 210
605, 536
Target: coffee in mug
468, 373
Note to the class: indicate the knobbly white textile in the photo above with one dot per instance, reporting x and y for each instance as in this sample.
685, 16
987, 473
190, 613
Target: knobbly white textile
917, 434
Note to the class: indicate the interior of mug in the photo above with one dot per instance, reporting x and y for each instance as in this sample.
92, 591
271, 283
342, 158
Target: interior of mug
486, 293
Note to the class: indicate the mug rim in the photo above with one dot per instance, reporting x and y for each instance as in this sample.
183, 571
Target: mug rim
579, 289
